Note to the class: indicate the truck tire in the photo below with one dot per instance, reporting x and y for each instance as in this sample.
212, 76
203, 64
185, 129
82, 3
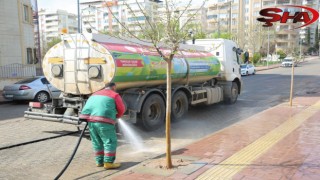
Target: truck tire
233, 96
153, 112
179, 106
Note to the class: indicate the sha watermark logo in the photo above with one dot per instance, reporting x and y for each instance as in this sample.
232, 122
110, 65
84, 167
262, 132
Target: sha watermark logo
272, 15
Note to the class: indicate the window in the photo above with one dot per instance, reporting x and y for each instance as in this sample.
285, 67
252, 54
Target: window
26, 13
44, 81
140, 18
25, 81
29, 56
212, 16
35, 56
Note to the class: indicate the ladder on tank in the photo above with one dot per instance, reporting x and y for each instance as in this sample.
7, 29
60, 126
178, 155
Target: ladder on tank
71, 44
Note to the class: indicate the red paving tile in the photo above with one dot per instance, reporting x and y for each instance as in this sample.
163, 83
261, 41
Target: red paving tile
299, 149
294, 157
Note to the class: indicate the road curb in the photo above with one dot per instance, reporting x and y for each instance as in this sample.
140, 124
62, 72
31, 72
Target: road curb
263, 69
5, 102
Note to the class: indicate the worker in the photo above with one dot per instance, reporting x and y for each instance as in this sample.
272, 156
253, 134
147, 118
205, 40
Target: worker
101, 111
246, 57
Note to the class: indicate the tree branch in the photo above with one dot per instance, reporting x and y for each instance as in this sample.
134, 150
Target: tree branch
204, 2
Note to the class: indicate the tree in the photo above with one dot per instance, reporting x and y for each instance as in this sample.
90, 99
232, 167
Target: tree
308, 37
164, 33
197, 30
316, 39
256, 57
53, 42
255, 37
222, 35
264, 49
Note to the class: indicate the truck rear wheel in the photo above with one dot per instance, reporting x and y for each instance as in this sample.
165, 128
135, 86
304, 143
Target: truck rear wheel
179, 105
153, 112
233, 96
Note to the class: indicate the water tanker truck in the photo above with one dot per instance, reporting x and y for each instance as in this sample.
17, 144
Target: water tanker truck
80, 65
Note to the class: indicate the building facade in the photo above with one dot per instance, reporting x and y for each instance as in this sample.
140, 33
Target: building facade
107, 16
240, 18
16, 33
236, 17
52, 22
311, 28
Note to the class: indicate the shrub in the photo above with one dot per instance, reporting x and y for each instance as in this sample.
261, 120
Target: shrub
281, 54
256, 57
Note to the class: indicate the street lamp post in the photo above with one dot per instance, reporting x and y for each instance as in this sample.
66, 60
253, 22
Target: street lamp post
319, 48
230, 16
79, 24
268, 47
300, 42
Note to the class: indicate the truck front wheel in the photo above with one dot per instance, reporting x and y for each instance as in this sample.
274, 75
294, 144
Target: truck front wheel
153, 112
179, 105
233, 95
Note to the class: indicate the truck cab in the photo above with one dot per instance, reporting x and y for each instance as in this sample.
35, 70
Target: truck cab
228, 53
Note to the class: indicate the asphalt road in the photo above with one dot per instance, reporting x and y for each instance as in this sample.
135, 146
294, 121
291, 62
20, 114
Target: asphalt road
44, 159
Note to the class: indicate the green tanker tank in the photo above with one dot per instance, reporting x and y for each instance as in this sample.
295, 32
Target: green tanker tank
83, 67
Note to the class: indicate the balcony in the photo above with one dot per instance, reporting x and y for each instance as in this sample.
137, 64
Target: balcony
52, 18
53, 23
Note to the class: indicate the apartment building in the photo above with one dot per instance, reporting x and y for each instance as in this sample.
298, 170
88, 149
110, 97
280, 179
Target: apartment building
312, 28
53, 21
104, 16
195, 15
284, 36
16, 33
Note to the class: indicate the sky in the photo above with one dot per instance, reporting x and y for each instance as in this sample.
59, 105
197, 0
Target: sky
68, 5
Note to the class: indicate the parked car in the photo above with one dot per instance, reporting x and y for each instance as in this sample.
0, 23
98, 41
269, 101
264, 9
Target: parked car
288, 61
247, 69
36, 88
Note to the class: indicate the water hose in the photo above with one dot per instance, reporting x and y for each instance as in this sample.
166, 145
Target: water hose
74, 152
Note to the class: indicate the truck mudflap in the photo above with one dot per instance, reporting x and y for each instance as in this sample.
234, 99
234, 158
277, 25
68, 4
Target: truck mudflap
53, 117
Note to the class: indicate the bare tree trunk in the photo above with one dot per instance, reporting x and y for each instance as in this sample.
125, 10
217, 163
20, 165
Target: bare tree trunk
168, 116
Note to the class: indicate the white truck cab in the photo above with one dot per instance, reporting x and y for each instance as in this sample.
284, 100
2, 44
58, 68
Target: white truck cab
227, 52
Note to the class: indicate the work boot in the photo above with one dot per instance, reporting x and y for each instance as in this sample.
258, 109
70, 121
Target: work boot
99, 165
111, 165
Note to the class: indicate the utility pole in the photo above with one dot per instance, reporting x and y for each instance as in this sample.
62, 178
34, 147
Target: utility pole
38, 29
230, 16
79, 24
218, 20
268, 47
300, 42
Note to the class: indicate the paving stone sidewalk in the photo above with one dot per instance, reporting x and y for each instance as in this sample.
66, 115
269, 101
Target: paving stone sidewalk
283, 156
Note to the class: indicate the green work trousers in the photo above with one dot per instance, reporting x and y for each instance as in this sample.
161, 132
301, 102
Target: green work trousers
104, 141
